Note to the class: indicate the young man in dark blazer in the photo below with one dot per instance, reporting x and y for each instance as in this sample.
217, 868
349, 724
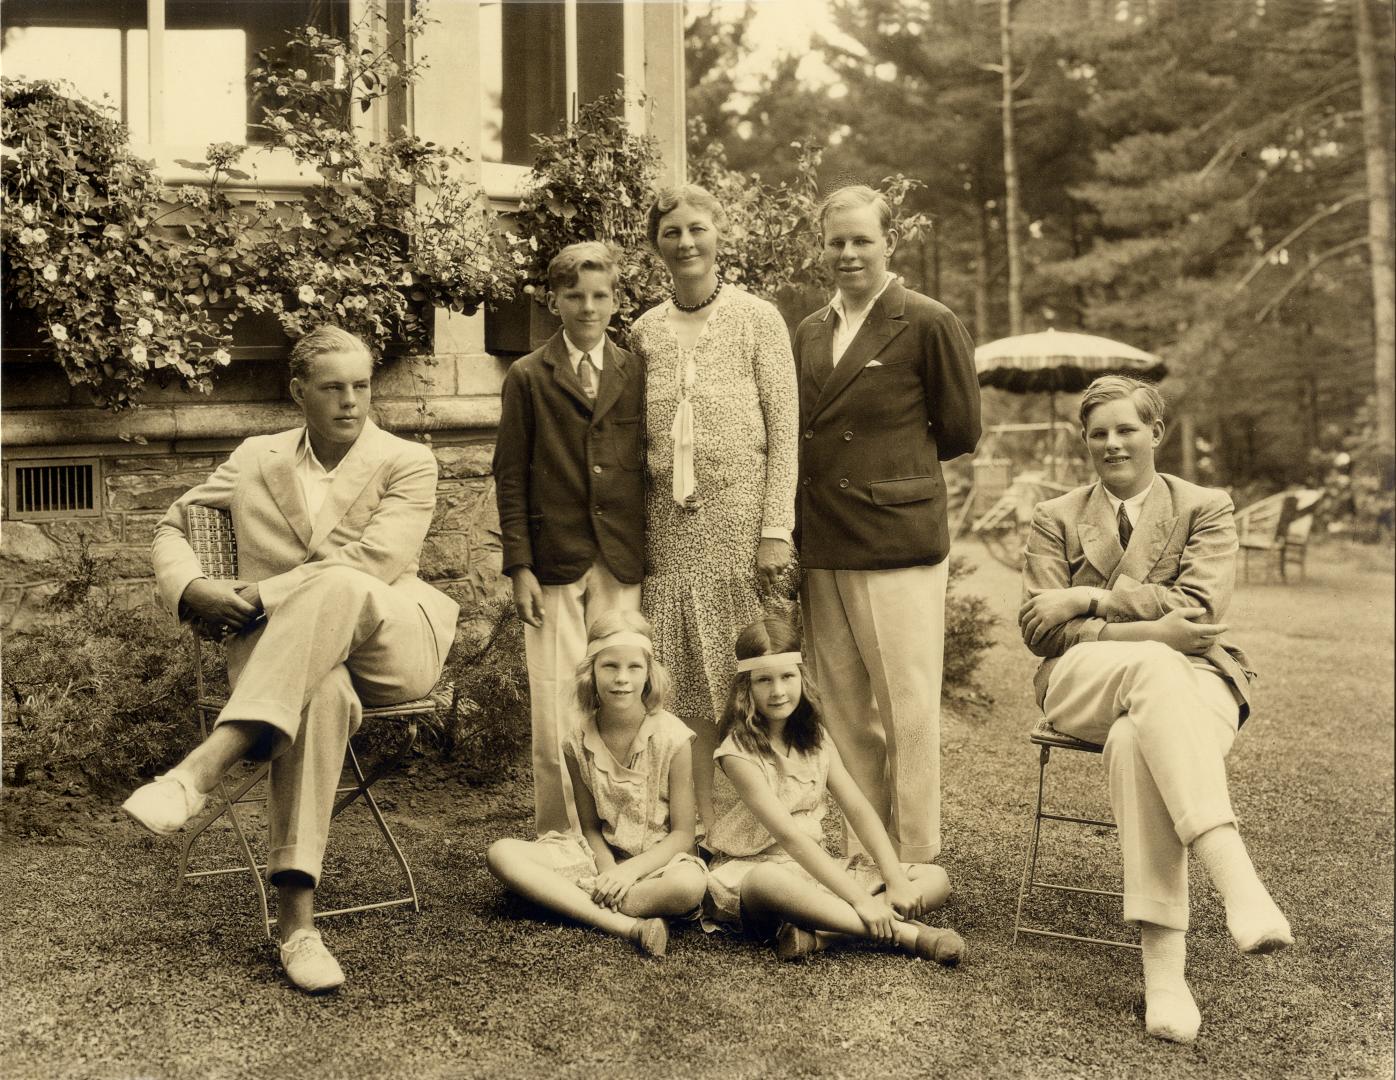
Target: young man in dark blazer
570, 487
887, 391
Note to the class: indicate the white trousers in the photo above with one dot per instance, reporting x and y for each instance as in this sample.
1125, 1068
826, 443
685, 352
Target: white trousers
553, 652
339, 638
877, 641
1167, 726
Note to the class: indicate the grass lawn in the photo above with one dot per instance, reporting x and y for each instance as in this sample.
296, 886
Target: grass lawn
109, 971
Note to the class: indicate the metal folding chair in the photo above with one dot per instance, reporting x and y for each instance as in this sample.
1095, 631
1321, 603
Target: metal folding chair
210, 533
1047, 739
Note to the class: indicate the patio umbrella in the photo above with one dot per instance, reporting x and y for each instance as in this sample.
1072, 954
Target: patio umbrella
1053, 363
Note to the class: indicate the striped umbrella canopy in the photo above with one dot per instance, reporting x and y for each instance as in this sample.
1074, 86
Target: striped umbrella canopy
1054, 362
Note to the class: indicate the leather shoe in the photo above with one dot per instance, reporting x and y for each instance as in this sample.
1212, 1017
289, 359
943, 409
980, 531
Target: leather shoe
308, 964
165, 804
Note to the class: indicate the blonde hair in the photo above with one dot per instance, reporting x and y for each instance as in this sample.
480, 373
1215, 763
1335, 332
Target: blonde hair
656, 691
567, 265
324, 341
852, 197
1148, 402
666, 200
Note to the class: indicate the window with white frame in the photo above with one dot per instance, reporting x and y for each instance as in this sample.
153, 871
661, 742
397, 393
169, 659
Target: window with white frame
538, 62
175, 70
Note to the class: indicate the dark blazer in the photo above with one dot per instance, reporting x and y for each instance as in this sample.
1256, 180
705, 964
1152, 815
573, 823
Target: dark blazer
1182, 553
568, 475
874, 430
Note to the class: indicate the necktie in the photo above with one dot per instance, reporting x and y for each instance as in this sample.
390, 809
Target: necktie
1126, 529
587, 376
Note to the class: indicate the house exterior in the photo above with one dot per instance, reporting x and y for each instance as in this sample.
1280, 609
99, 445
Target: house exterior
497, 70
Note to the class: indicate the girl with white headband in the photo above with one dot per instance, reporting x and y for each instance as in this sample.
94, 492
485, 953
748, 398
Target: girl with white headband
770, 872
632, 865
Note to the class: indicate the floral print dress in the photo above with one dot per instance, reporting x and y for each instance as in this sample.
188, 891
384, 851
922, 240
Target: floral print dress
700, 584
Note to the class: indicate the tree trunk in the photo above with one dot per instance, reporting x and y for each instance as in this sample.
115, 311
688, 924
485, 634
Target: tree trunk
981, 276
1010, 174
1380, 237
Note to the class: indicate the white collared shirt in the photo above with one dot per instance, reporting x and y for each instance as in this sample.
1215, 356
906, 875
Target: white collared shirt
848, 323
1133, 505
574, 354
315, 479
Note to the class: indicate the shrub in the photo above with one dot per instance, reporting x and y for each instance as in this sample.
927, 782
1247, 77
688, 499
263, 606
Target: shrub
99, 687
486, 723
132, 282
85, 252
968, 623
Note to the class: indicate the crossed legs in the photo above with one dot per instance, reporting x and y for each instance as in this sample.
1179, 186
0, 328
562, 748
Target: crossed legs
520, 867
1167, 726
339, 638
772, 894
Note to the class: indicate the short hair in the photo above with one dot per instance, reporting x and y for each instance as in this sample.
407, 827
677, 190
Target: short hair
656, 691
667, 199
852, 197
1148, 402
567, 265
322, 341
768, 636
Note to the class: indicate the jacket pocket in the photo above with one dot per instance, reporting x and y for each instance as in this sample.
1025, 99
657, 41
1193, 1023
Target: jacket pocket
909, 489
626, 442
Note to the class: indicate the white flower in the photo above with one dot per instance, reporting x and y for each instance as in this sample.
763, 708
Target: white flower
281, 91
147, 296
89, 271
222, 358
305, 294
26, 236
138, 355
27, 213
301, 74
40, 235
59, 332
50, 272
143, 328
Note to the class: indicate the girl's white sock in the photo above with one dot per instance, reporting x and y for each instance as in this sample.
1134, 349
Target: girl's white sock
1257, 925
1169, 1010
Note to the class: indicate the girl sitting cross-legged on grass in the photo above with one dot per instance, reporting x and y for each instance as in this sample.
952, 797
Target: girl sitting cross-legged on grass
632, 775
770, 870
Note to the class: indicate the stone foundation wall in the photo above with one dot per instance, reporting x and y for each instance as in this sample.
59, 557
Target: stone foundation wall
461, 555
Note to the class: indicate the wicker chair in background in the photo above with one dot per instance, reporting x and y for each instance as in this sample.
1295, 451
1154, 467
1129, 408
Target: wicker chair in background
210, 533
1047, 739
1278, 526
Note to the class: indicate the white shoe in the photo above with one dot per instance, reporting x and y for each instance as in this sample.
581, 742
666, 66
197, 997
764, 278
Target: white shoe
165, 804
309, 964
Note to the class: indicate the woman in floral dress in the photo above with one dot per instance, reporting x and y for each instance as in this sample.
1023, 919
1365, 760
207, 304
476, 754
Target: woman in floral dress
721, 416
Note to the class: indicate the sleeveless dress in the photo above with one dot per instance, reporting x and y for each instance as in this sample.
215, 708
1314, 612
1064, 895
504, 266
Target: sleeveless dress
631, 796
741, 843
700, 585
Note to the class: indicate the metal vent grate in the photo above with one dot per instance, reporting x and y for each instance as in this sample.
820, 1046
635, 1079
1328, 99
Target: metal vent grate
53, 489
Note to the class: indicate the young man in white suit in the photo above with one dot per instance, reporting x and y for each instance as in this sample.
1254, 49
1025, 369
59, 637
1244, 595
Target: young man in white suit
329, 613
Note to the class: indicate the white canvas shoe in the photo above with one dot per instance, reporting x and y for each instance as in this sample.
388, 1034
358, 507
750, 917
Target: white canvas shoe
165, 804
309, 964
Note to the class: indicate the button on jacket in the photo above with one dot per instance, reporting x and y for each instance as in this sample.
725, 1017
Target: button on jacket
568, 472
876, 426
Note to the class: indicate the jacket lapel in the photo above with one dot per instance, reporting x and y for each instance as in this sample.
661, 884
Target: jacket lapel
364, 459
279, 472
566, 379
1151, 532
821, 358
612, 380
884, 322
1099, 539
